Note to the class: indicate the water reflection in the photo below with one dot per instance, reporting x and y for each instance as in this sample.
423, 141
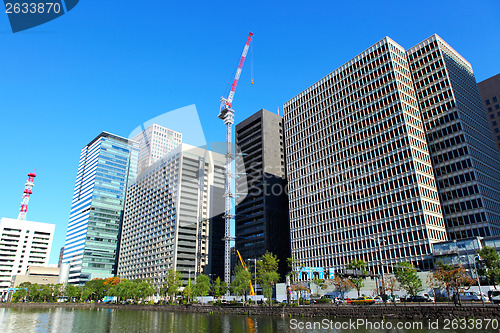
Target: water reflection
119, 321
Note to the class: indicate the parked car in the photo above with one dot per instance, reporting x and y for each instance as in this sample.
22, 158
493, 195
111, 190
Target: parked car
363, 300
378, 299
419, 298
495, 296
395, 299
472, 296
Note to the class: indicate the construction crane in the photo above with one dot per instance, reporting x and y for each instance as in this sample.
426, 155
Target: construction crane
252, 291
227, 116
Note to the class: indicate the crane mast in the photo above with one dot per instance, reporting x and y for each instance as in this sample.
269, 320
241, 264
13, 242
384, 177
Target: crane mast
226, 114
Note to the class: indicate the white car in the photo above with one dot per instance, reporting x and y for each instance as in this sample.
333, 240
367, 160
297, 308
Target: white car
378, 299
495, 297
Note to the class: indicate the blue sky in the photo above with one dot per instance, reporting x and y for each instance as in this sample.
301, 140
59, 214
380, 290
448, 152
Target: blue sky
112, 66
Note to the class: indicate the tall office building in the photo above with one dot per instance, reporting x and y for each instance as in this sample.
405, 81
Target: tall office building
106, 165
173, 217
360, 176
490, 93
155, 142
262, 222
22, 244
465, 159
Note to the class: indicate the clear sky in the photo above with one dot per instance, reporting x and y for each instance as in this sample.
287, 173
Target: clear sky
113, 65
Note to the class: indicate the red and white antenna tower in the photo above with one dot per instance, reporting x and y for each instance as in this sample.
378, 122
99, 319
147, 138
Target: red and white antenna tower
26, 196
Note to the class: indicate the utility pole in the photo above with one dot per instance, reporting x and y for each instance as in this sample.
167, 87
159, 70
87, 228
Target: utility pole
377, 239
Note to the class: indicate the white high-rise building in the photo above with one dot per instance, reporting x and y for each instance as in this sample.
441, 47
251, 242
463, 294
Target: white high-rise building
155, 142
173, 217
22, 244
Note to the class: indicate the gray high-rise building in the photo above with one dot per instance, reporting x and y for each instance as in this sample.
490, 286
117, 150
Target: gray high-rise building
262, 221
370, 145
490, 93
359, 170
173, 217
465, 159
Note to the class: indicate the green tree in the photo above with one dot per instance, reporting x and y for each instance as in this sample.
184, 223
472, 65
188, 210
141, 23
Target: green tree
143, 289
406, 274
173, 282
95, 289
357, 281
124, 290
202, 286
22, 292
491, 267
267, 274
72, 291
217, 288
241, 282
450, 278
187, 292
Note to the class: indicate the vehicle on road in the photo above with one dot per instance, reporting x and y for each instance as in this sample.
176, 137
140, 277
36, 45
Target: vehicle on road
418, 298
363, 300
378, 299
472, 296
495, 296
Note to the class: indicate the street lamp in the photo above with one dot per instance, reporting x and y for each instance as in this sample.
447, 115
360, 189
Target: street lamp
377, 239
255, 279
478, 257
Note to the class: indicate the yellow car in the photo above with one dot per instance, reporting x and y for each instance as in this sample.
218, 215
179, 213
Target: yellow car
363, 300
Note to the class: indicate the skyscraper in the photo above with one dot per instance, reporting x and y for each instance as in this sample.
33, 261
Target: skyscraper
173, 217
361, 183
465, 159
22, 244
155, 142
490, 93
106, 165
262, 222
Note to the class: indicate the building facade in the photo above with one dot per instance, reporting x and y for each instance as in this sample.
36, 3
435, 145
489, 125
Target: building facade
155, 142
173, 217
22, 244
360, 177
465, 159
262, 222
106, 165
490, 94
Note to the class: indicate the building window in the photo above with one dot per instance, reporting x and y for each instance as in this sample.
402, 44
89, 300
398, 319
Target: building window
490, 109
487, 102
497, 106
495, 99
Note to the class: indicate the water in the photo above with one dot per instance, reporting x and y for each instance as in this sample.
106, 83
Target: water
131, 321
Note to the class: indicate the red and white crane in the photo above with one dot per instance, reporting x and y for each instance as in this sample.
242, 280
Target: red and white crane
227, 116
26, 196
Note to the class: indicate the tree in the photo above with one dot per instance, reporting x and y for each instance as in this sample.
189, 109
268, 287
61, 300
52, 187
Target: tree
241, 282
95, 289
357, 281
173, 282
406, 274
143, 289
343, 285
294, 266
202, 286
187, 292
450, 278
491, 268
126, 289
72, 291
217, 289
392, 285
267, 274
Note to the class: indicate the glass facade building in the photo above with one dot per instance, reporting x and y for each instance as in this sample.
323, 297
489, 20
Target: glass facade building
106, 165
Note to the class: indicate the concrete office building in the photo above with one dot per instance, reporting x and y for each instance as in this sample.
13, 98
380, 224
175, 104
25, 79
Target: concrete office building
359, 170
490, 94
155, 142
262, 222
465, 159
22, 244
106, 165
173, 217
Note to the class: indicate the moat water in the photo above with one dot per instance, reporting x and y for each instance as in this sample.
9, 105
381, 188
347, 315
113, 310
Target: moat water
131, 321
